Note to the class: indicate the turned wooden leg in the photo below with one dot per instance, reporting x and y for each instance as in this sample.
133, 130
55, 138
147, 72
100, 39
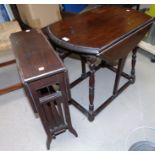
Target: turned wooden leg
133, 63
91, 62
118, 75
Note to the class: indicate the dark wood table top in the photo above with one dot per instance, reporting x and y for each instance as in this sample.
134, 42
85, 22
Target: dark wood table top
94, 31
34, 55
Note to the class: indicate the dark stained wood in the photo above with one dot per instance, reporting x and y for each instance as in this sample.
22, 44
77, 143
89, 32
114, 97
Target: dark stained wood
16, 14
118, 75
92, 61
107, 33
10, 88
94, 31
83, 66
10, 62
32, 51
33, 57
124, 46
133, 63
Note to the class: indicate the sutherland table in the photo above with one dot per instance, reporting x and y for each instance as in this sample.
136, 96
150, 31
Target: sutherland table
108, 34
45, 80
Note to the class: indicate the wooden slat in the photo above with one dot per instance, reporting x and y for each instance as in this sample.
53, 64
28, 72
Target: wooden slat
10, 88
10, 62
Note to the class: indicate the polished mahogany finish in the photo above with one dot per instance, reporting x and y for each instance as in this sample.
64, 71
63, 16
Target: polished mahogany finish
45, 80
106, 33
33, 61
94, 31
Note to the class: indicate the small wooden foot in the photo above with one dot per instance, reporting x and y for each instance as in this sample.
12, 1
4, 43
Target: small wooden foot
91, 116
153, 59
71, 129
48, 142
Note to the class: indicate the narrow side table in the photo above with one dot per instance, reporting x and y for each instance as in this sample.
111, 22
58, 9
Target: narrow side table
45, 80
